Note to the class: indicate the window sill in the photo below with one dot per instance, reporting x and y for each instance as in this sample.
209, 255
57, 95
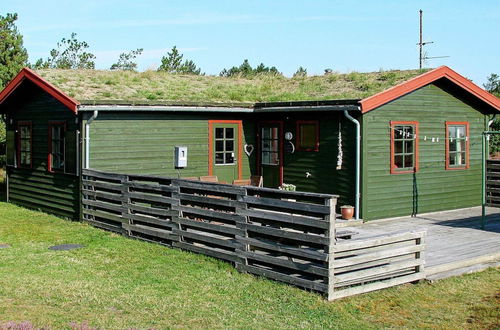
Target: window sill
452, 168
403, 171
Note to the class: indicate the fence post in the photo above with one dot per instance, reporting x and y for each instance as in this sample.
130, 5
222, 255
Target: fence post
331, 218
243, 261
420, 255
125, 203
175, 218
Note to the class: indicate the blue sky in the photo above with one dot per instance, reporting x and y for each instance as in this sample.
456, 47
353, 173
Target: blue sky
342, 35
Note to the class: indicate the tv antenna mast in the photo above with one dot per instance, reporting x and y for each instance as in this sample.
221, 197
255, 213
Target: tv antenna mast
423, 56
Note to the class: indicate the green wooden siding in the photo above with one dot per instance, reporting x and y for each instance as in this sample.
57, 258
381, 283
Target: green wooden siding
325, 178
143, 143
432, 188
37, 188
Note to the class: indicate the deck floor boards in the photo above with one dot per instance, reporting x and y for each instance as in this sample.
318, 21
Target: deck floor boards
452, 237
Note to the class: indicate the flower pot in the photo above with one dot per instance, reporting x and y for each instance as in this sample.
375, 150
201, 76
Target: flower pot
347, 212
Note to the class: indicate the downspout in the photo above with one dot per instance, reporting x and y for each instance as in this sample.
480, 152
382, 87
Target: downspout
491, 121
87, 138
358, 165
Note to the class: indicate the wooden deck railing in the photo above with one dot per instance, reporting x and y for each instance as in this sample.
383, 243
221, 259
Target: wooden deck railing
377, 262
493, 182
286, 236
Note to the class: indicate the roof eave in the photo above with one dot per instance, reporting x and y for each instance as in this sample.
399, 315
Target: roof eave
27, 73
379, 99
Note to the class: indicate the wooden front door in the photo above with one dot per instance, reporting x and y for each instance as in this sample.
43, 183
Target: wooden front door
271, 153
225, 146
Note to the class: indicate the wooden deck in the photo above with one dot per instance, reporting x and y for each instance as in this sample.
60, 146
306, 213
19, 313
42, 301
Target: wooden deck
455, 243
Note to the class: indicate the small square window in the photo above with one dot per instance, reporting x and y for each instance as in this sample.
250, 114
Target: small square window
404, 147
308, 135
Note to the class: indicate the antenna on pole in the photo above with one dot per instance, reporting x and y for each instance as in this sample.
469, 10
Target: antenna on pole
421, 44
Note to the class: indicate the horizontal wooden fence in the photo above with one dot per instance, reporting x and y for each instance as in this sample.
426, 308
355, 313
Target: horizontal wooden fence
493, 182
283, 235
377, 262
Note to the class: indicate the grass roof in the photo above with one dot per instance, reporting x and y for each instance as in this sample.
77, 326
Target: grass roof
99, 86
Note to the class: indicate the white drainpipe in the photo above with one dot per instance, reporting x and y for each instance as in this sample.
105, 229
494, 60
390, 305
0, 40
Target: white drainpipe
358, 166
491, 121
87, 138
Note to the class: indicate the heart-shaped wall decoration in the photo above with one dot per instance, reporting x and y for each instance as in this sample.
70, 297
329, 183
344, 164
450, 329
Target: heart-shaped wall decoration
249, 149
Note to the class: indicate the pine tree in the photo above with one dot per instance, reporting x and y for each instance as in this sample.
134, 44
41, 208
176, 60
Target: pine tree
13, 55
246, 70
172, 63
69, 54
493, 84
126, 61
301, 72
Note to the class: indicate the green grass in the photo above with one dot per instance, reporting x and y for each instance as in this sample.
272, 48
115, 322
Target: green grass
161, 87
115, 282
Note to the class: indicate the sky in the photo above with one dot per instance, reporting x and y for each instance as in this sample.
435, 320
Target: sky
344, 36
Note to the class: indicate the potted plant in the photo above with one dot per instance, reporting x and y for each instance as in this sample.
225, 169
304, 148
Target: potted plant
347, 212
288, 187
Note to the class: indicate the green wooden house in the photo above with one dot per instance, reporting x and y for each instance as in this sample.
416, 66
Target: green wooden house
392, 143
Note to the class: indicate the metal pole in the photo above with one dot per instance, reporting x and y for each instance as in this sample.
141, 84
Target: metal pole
420, 43
483, 181
358, 165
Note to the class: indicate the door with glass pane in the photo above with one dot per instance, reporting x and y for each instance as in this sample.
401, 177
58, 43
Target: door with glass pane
270, 154
225, 151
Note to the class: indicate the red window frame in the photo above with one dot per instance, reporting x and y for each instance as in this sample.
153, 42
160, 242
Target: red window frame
297, 131
49, 156
394, 169
447, 146
18, 149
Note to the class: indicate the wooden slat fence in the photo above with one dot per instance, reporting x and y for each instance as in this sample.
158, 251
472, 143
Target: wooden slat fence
493, 182
286, 236
377, 263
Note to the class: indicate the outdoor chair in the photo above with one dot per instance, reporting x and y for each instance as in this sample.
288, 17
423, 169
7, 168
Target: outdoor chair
244, 182
209, 178
191, 178
256, 180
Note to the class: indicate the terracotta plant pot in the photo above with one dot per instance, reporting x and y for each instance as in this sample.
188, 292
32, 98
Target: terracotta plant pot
347, 212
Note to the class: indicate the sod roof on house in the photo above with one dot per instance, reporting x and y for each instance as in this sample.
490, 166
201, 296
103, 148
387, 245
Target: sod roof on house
151, 87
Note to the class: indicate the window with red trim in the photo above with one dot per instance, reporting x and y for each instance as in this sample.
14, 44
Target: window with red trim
24, 144
307, 135
56, 146
404, 147
457, 145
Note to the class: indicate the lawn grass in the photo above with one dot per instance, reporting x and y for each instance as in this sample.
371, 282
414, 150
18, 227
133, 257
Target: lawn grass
116, 282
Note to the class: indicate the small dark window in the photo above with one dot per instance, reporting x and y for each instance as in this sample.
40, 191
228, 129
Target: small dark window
308, 135
270, 146
56, 147
25, 141
404, 147
224, 145
457, 146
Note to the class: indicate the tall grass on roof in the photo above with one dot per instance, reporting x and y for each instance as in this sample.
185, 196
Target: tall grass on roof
100, 85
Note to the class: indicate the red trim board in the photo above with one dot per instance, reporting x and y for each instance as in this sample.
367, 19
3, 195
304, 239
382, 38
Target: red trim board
374, 101
31, 75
